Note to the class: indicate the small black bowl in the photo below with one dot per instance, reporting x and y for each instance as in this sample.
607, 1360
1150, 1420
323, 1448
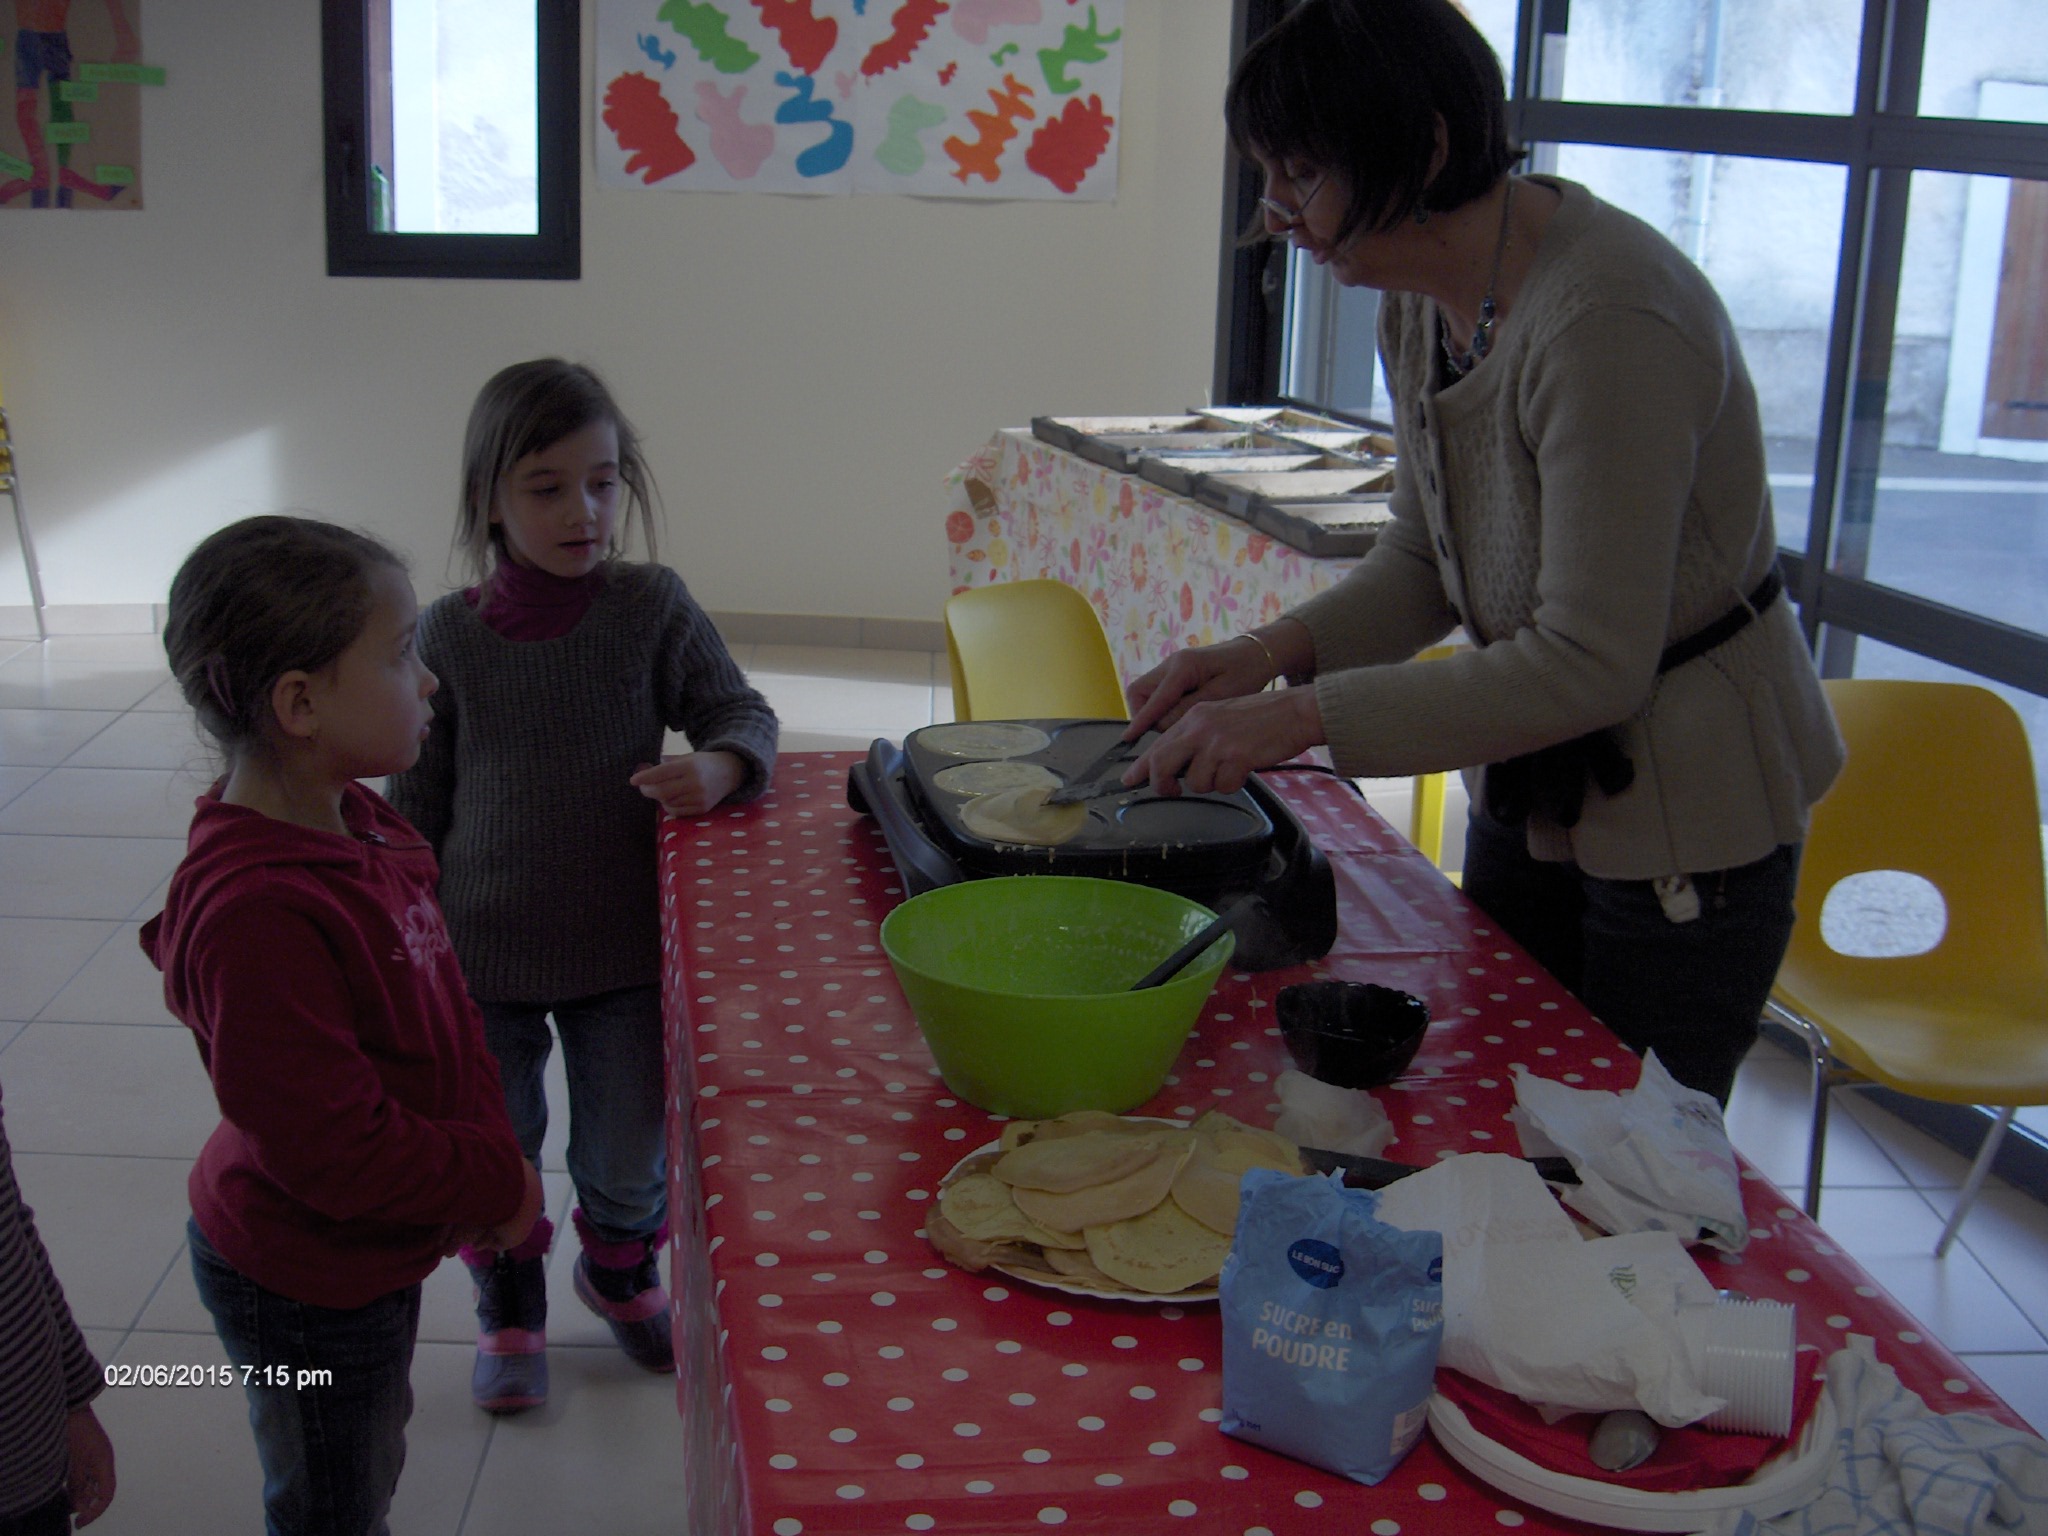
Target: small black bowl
1351, 1033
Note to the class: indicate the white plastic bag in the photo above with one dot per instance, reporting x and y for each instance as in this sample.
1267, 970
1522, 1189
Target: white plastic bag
1314, 1113
1655, 1158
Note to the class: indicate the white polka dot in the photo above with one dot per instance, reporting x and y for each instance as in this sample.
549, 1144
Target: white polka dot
851, 1490
1190, 1363
766, 1260
1162, 1447
966, 1431
836, 1378
919, 1522
910, 1461
891, 1351
1022, 1399
953, 1373
774, 1352
1386, 1528
1059, 1319
1837, 1320
883, 1299
1798, 1276
1124, 1341
843, 1436
1236, 1474
1009, 1347
1089, 1422
1308, 1498
1052, 1514
1108, 1480
1508, 1516
1211, 1415
1434, 1492
777, 1405
1908, 1336
1181, 1507
1953, 1385
1036, 1456
788, 1527
980, 1485
944, 1324
782, 1462
901, 1404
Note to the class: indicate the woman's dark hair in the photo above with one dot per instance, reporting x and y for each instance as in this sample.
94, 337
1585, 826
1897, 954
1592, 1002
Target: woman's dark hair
524, 409
1357, 87
258, 599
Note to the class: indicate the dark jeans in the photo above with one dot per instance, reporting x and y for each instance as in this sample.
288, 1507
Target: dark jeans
50, 1518
1692, 991
612, 1056
331, 1444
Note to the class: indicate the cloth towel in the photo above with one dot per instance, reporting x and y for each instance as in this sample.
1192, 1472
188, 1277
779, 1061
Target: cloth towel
1902, 1469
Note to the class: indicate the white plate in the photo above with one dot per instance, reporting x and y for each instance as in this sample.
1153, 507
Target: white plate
1791, 1478
1068, 1283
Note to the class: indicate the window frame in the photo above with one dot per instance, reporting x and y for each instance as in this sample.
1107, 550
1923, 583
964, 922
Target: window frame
355, 249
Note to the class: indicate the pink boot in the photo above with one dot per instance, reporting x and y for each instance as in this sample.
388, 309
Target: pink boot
621, 1283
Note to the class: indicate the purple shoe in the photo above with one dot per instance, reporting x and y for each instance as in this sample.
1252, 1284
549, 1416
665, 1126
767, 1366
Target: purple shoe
621, 1283
511, 1373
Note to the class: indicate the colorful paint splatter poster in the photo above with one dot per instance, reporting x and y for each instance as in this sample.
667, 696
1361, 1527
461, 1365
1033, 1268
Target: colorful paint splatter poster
74, 138
937, 98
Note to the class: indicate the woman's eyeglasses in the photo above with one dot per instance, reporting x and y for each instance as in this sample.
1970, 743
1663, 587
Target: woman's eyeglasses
1288, 217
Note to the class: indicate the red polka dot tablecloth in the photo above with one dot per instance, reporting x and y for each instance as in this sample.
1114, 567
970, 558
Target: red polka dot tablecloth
837, 1376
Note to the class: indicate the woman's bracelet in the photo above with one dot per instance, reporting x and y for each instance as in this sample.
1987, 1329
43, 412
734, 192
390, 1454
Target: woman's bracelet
1271, 660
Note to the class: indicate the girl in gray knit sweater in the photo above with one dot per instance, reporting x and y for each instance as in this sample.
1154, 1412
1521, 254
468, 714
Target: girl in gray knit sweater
541, 788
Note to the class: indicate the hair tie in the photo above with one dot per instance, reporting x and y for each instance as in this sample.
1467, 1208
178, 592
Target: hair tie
217, 683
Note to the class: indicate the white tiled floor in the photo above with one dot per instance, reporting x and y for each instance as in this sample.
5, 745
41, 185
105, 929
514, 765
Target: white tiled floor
106, 1105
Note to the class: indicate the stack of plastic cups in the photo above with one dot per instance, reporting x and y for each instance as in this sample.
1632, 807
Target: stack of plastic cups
1752, 1349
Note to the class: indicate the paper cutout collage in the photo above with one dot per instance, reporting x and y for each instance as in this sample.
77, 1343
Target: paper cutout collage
937, 98
74, 138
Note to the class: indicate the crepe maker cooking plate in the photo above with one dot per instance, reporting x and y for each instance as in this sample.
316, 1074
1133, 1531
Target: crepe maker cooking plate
1209, 848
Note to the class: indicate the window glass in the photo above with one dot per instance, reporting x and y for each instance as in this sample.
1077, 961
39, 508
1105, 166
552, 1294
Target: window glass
1973, 46
463, 148
1962, 492
1757, 55
1767, 233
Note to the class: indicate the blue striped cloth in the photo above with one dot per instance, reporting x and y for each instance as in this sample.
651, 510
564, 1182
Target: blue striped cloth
1903, 1470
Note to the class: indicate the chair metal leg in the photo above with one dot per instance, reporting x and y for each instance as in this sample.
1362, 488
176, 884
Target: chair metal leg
1986, 1155
1825, 1078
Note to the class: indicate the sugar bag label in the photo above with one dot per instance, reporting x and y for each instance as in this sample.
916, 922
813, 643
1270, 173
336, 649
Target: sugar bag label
1331, 1322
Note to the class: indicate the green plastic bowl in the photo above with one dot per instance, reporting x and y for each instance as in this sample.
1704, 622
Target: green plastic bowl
1021, 985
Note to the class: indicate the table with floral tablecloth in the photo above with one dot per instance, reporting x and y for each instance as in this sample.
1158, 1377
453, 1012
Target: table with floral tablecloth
838, 1377
1162, 571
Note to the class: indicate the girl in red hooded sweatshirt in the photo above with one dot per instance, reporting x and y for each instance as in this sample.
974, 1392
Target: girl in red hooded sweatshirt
363, 1132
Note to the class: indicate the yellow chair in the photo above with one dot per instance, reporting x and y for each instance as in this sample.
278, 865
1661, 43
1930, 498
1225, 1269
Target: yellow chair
1426, 808
1034, 649
1939, 784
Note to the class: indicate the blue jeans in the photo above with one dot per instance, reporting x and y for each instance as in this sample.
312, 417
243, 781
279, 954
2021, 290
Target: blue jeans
612, 1053
1692, 991
52, 1517
331, 1447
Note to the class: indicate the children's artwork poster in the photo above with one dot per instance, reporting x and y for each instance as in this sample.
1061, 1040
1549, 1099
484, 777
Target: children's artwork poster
74, 138
936, 98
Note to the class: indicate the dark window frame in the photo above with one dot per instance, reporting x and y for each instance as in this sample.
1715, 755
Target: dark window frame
356, 249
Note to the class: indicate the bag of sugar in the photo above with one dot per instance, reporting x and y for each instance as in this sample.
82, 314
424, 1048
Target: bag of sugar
1331, 1321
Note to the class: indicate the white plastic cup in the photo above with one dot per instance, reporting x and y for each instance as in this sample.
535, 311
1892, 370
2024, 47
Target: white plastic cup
1752, 1350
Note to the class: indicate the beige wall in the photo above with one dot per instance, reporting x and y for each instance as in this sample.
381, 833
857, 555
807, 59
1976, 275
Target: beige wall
805, 370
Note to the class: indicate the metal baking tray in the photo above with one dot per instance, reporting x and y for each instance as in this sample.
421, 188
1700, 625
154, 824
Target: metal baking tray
1339, 526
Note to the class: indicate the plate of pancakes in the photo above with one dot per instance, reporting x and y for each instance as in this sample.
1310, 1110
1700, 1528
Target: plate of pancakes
1115, 1206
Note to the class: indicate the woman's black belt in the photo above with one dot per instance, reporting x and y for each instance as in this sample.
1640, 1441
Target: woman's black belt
1553, 781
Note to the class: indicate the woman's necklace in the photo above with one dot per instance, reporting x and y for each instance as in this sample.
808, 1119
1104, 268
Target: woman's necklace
1482, 334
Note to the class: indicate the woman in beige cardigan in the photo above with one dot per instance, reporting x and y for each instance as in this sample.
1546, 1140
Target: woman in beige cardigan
1581, 486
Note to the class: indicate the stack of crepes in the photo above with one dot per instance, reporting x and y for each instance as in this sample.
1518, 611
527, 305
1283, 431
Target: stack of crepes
1105, 1201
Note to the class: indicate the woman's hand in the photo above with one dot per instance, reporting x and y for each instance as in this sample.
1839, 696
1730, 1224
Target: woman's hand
691, 784
1217, 743
1228, 670
90, 1480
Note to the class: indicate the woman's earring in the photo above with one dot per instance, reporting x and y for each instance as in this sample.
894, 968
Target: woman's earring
1422, 215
